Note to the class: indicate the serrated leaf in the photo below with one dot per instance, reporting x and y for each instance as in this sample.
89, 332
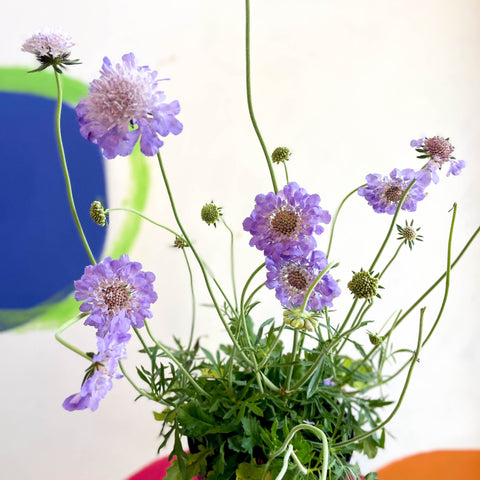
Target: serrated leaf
249, 471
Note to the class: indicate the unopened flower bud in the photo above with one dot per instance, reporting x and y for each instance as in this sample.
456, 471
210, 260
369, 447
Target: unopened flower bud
363, 285
98, 213
280, 154
300, 320
210, 213
375, 339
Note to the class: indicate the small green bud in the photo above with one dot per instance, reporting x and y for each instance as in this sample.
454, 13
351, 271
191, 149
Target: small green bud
98, 213
375, 339
180, 243
211, 214
363, 285
300, 320
280, 155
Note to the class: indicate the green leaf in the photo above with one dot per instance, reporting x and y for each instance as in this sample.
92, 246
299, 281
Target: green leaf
195, 463
249, 471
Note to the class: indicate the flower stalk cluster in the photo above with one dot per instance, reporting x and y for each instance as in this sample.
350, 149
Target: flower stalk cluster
255, 408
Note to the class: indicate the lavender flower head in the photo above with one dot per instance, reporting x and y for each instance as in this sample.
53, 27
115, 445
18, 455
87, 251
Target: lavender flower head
125, 105
292, 277
384, 193
111, 349
439, 150
117, 293
51, 48
283, 224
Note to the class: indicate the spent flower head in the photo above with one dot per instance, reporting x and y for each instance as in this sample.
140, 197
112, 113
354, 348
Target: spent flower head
211, 214
125, 105
98, 213
408, 234
51, 48
117, 293
364, 285
280, 155
284, 223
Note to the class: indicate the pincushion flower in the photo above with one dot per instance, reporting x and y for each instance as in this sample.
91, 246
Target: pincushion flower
117, 293
111, 349
439, 151
284, 223
291, 278
125, 105
384, 193
51, 48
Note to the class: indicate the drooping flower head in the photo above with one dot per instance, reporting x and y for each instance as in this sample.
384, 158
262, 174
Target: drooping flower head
117, 293
384, 193
439, 151
104, 369
51, 48
284, 223
125, 105
291, 278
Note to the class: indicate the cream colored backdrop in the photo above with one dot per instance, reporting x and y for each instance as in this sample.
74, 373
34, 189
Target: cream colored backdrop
345, 85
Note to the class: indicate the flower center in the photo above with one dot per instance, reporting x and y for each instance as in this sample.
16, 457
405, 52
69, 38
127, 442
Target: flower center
393, 193
296, 279
116, 296
285, 222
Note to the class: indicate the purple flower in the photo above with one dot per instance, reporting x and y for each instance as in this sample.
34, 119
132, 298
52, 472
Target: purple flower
50, 47
328, 382
384, 193
417, 143
456, 167
125, 105
111, 349
284, 223
117, 293
291, 278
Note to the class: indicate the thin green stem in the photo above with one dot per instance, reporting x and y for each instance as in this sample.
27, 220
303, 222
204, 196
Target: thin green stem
249, 96
71, 347
66, 176
232, 262
391, 260
432, 287
402, 395
167, 352
194, 306
136, 212
142, 392
286, 172
293, 357
314, 284
392, 224
447, 277
314, 430
199, 261
334, 221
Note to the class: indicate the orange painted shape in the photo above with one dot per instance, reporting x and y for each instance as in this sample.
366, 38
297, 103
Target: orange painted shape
437, 465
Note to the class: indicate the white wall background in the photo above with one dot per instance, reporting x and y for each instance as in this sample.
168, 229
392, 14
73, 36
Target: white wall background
345, 85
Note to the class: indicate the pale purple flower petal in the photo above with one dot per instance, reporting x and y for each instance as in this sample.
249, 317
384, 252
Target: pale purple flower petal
125, 105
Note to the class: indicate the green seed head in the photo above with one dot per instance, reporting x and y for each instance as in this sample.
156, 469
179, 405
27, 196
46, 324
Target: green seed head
363, 285
98, 214
280, 154
210, 213
180, 243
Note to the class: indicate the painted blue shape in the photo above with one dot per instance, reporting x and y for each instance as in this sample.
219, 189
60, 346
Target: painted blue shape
41, 251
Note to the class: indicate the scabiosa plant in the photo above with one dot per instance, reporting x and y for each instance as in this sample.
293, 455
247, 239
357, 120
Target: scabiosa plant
125, 105
384, 193
284, 223
439, 151
291, 278
104, 368
51, 48
117, 293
